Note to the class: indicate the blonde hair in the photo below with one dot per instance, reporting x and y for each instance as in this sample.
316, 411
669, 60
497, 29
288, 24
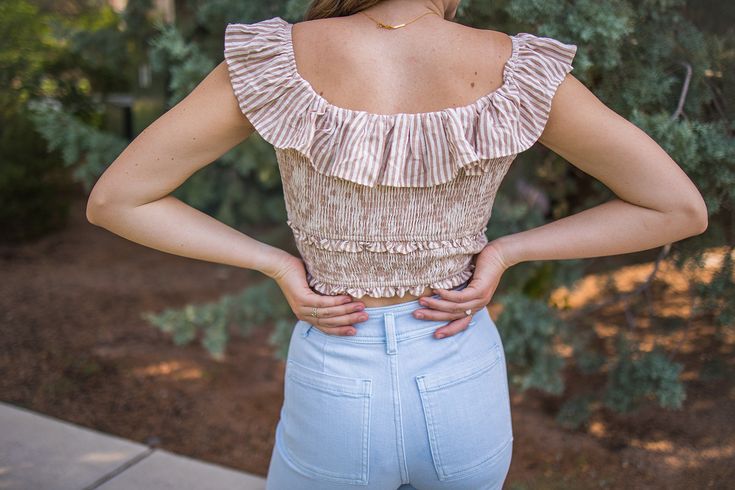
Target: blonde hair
321, 9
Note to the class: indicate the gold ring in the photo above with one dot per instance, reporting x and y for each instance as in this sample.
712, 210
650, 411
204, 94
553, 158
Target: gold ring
314, 312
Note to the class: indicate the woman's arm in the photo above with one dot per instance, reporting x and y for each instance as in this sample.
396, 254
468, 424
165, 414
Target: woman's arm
131, 198
656, 202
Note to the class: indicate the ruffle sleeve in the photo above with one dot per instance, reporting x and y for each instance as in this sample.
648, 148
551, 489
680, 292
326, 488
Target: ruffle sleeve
541, 66
400, 149
259, 69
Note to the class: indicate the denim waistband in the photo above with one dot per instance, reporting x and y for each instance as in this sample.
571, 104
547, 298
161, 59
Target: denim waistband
402, 320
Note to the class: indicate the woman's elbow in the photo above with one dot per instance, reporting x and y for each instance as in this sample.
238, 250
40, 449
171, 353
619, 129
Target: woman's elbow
98, 203
695, 215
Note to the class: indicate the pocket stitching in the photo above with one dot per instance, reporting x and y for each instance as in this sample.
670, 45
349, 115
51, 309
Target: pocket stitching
315, 381
468, 370
463, 370
467, 472
331, 383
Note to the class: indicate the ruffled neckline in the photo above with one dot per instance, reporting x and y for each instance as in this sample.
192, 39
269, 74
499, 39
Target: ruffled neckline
508, 69
419, 149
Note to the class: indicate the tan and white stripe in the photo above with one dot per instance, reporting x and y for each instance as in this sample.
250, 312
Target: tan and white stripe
401, 149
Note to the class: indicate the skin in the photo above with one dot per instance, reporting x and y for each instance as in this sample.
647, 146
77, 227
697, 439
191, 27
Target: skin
656, 203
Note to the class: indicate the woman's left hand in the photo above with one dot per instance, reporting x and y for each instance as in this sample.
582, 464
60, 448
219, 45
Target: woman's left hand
489, 267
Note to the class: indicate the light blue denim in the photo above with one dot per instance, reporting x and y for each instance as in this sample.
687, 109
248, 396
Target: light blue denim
392, 406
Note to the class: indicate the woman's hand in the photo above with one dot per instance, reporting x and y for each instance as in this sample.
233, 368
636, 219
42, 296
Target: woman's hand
336, 313
489, 267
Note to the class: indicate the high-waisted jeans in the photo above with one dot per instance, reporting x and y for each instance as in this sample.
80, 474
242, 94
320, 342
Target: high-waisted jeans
392, 406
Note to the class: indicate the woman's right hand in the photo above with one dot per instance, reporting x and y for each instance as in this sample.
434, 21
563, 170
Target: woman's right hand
336, 313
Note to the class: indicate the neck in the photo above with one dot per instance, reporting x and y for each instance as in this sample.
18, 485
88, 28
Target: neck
399, 11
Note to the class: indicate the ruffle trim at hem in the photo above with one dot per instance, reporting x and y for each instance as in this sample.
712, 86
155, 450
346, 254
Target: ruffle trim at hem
470, 243
388, 291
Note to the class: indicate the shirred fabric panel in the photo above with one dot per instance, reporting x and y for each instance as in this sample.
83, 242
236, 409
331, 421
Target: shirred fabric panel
341, 210
387, 241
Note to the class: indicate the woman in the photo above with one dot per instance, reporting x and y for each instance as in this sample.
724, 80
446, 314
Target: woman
391, 143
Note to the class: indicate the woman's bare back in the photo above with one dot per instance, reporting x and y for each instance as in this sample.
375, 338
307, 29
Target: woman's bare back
426, 66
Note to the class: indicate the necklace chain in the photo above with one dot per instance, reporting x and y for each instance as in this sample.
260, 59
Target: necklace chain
388, 26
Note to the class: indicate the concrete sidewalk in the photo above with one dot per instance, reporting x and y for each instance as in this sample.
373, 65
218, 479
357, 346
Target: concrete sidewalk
38, 452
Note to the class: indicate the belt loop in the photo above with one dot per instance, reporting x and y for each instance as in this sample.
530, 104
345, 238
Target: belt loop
390, 333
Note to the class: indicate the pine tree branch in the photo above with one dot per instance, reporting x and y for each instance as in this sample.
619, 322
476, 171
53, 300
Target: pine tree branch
684, 90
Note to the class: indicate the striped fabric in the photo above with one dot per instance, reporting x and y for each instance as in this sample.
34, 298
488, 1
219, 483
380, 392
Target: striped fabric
435, 173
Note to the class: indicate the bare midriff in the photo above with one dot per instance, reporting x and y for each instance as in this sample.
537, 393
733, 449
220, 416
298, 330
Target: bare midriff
370, 302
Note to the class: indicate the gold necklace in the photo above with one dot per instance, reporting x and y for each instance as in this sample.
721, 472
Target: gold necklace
388, 26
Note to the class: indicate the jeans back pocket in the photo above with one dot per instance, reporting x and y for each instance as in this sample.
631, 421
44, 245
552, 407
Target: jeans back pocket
325, 421
467, 412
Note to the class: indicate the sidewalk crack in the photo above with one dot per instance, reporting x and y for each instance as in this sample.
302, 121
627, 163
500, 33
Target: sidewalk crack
127, 464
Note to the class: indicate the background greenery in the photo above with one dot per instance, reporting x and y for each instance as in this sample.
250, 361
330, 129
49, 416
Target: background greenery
70, 69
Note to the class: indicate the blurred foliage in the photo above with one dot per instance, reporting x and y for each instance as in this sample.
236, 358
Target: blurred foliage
636, 376
211, 323
35, 190
82, 146
666, 65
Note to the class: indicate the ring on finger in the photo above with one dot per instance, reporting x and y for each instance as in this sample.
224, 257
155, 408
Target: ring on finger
468, 312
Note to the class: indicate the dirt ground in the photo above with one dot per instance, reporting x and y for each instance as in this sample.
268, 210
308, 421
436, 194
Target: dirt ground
73, 345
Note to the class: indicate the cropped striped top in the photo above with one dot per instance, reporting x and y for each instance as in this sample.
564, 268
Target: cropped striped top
388, 204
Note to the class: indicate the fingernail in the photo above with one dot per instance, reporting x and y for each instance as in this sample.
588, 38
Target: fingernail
359, 308
440, 336
419, 315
